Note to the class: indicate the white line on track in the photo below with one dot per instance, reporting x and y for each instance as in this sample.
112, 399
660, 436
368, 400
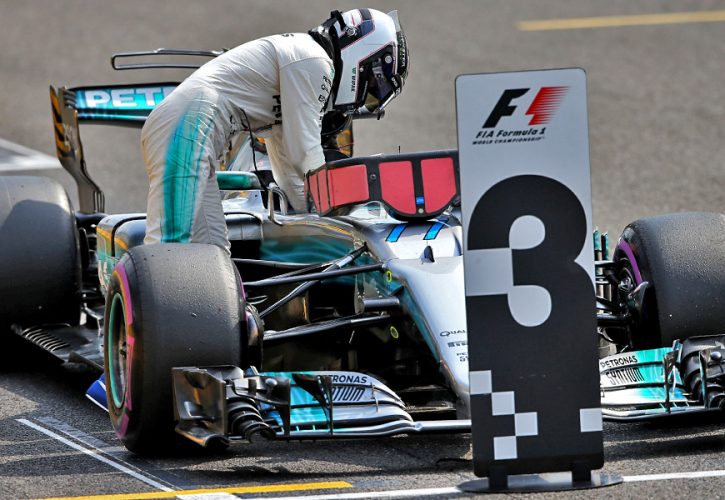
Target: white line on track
117, 453
452, 491
98, 456
674, 475
97, 449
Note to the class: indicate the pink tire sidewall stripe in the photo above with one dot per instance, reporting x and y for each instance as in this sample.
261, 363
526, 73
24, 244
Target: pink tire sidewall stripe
120, 271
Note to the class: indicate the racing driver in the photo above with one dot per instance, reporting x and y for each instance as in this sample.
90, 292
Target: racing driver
277, 88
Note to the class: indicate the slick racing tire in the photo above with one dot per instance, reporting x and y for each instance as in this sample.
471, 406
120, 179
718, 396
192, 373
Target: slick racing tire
40, 267
682, 257
167, 305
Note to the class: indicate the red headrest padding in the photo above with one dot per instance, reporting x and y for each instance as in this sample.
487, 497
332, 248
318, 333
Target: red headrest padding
348, 185
324, 193
411, 186
396, 186
439, 183
312, 188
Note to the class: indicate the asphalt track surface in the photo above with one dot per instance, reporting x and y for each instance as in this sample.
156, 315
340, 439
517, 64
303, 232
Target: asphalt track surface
657, 142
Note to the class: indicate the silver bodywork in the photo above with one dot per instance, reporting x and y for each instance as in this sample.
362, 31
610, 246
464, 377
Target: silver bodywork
425, 274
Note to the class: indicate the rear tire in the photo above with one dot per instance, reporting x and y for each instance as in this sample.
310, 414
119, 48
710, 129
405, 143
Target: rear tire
682, 256
167, 305
40, 270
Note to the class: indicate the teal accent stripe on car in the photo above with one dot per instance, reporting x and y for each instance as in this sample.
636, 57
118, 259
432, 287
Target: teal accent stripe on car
305, 409
182, 170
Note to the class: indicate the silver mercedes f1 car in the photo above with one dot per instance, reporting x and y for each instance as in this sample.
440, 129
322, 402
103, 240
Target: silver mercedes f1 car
345, 321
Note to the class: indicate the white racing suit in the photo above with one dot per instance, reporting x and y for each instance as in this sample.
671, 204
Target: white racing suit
278, 86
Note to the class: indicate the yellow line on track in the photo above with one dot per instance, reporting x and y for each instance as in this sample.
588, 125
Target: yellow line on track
270, 488
619, 21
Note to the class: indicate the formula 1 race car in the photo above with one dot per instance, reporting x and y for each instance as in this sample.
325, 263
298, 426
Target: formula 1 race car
345, 322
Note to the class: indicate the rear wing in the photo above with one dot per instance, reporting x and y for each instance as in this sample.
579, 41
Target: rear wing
129, 105
117, 104
125, 105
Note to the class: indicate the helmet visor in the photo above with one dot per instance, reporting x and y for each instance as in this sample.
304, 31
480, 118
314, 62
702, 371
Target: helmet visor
383, 85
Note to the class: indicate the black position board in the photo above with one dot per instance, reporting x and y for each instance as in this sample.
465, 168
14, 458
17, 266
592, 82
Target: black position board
529, 272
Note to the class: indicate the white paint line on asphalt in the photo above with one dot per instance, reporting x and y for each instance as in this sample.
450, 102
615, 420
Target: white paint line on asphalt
455, 491
14, 157
423, 492
92, 449
674, 475
117, 453
94, 454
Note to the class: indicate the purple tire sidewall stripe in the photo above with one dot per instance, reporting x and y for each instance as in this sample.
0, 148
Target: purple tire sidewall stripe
624, 247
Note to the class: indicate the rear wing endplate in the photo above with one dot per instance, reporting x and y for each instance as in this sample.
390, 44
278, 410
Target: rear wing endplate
69, 149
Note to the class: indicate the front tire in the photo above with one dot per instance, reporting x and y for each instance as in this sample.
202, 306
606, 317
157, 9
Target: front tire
682, 257
167, 305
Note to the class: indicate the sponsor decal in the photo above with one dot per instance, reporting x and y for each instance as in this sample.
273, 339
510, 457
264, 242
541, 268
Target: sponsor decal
122, 98
448, 333
350, 387
497, 128
350, 379
347, 393
614, 362
624, 376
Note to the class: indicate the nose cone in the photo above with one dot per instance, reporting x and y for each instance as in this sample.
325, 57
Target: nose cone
436, 302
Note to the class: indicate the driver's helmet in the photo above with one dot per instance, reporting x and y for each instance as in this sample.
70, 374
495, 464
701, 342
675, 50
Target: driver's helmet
373, 60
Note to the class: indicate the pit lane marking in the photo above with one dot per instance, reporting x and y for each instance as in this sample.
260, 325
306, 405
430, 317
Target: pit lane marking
621, 21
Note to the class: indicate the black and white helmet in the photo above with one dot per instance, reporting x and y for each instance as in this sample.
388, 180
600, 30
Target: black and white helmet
371, 59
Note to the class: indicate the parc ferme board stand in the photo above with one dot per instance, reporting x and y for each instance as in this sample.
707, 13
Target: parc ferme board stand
529, 277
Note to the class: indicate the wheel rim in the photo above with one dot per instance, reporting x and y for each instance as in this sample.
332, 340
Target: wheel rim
626, 276
117, 351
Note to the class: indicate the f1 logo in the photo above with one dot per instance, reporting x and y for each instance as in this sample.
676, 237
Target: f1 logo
541, 110
503, 107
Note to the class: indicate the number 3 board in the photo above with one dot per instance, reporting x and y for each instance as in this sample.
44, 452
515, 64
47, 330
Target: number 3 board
529, 271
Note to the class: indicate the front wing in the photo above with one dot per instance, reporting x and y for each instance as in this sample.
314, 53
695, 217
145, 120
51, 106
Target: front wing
225, 403
687, 378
